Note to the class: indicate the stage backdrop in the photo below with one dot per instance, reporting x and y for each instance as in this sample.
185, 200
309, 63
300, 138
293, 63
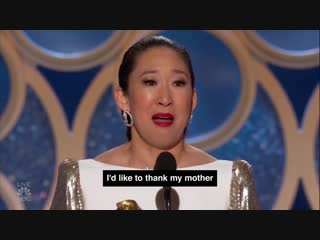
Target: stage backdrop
258, 100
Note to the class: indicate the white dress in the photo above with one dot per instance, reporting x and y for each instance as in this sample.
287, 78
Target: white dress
98, 197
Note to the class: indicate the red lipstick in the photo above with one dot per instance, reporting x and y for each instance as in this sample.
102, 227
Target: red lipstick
163, 119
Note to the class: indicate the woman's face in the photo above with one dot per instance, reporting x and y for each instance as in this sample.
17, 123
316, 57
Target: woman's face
160, 97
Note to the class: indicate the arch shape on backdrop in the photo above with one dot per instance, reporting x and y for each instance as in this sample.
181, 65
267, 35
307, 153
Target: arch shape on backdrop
9, 194
307, 154
17, 95
277, 56
102, 54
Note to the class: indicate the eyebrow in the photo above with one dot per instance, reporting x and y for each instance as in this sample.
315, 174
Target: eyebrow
181, 72
155, 71
147, 72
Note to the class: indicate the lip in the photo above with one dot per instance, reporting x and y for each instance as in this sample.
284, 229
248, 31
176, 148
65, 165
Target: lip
163, 115
163, 119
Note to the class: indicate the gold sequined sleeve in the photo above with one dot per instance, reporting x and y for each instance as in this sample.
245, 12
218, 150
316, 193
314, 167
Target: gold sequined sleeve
68, 193
243, 194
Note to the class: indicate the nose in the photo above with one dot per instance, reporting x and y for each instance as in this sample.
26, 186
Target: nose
165, 98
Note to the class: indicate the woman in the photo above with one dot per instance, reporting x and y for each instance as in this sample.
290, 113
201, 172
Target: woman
156, 98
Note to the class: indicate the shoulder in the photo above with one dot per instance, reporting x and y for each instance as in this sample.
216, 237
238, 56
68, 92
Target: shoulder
114, 156
68, 168
242, 171
196, 156
68, 164
68, 193
241, 165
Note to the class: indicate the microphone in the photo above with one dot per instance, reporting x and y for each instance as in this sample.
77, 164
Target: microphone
166, 161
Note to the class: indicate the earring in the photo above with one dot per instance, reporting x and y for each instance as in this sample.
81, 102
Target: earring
127, 118
190, 120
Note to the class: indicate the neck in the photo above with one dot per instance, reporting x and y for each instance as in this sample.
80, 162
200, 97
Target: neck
143, 155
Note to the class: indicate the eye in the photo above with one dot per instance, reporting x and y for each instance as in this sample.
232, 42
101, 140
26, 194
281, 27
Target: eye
179, 83
149, 82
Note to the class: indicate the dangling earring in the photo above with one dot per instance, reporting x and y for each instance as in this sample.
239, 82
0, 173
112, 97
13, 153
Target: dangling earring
127, 118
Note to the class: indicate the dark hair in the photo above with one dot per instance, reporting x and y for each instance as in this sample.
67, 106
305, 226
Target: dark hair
130, 57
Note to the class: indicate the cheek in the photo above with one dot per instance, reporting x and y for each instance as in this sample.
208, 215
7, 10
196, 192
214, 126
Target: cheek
184, 103
141, 101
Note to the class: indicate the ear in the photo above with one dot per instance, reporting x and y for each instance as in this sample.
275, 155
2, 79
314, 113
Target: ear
121, 99
194, 99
